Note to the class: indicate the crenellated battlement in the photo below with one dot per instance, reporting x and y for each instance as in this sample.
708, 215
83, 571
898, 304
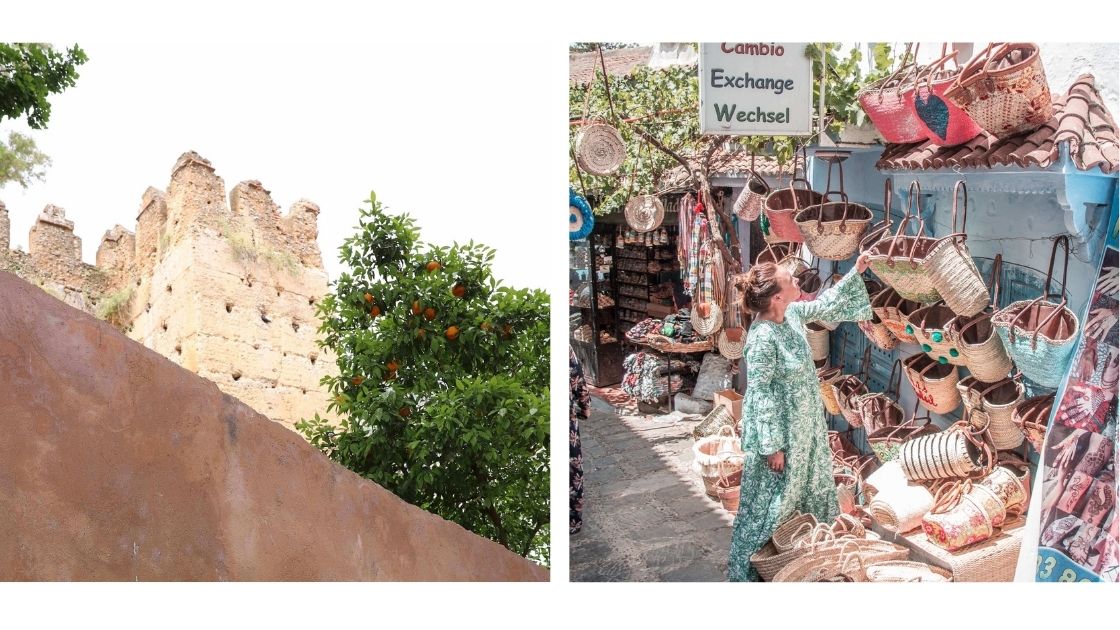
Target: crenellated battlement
224, 286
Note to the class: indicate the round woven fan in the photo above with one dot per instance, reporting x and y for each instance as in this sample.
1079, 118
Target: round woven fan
599, 149
644, 213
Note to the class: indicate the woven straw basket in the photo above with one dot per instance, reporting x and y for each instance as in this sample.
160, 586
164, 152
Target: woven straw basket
782, 205
886, 442
934, 384
930, 327
1004, 90
644, 213
748, 205
599, 149
981, 347
889, 103
784, 536
900, 260
900, 508
717, 418
709, 452
894, 312
826, 376
951, 269
906, 571
842, 560
817, 336
1041, 336
710, 325
845, 389
728, 483
947, 454
995, 406
1031, 418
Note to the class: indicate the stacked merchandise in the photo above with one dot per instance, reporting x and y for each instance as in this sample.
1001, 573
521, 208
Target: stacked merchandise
645, 372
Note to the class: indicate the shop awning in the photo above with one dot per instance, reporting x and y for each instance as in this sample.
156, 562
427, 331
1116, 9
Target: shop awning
1080, 119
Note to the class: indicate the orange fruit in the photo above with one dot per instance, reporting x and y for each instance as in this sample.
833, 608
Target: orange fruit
392, 366
452, 333
486, 326
405, 412
357, 380
432, 266
369, 298
415, 308
375, 311
459, 290
420, 333
429, 313
506, 329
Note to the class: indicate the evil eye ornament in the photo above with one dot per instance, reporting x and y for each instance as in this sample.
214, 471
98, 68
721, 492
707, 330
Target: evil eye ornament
953, 353
580, 219
937, 336
926, 347
942, 360
909, 329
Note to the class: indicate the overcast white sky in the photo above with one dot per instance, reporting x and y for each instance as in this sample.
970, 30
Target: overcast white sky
443, 133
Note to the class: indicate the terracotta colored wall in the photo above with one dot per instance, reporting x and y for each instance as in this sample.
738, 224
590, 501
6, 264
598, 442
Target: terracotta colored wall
117, 464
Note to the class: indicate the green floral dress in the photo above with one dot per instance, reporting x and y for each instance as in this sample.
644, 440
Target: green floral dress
783, 411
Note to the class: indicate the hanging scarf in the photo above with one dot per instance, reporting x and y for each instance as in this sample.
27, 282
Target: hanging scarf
699, 236
684, 235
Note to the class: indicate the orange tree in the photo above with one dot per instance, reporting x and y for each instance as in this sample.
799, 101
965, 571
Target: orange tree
442, 383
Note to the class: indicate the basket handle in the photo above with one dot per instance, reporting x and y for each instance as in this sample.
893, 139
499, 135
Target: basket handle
887, 196
828, 180
895, 378
1063, 240
926, 75
975, 66
865, 365
959, 186
997, 268
755, 177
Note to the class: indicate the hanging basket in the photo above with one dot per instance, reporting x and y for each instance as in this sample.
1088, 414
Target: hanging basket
889, 103
945, 124
997, 403
782, 206
827, 376
935, 384
894, 312
832, 230
982, 348
900, 260
887, 441
951, 268
748, 205
1040, 336
1004, 90
1032, 416
599, 149
817, 337
930, 327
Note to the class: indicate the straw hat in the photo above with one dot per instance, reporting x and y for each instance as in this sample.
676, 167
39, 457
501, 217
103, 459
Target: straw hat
580, 219
644, 213
599, 149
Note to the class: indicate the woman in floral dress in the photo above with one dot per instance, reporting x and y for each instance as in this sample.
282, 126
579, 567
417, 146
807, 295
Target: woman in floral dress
787, 465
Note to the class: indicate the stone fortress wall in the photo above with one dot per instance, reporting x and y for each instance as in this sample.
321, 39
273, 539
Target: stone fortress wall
226, 290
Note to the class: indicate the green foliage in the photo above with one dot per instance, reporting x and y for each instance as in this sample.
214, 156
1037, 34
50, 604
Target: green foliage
114, 306
665, 104
245, 249
21, 161
460, 426
582, 47
29, 73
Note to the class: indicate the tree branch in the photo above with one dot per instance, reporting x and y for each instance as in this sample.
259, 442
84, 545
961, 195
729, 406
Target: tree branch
655, 142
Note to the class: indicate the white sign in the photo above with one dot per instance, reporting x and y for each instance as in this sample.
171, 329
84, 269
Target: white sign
755, 89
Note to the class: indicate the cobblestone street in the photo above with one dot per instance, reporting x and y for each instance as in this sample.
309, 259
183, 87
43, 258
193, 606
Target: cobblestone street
646, 517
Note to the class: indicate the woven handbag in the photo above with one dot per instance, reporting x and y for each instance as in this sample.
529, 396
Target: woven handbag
810, 282
826, 376
817, 336
882, 229
981, 347
894, 312
728, 483
710, 451
842, 560
935, 384
599, 148
944, 122
1040, 336
930, 327
889, 103
1032, 416
950, 266
733, 338
967, 512
782, 205
873, 328
900, 261
849, 387
886, 442
1004, 90
954, 453
995, 404
748, 205
785, 534
832, 230
880, 410
716, 419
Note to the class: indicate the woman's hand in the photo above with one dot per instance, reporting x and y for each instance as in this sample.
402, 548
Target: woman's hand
861, 263
776, 461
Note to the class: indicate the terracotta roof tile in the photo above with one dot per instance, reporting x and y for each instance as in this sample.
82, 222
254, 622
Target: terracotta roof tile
619, 62
1080, 119
727, 161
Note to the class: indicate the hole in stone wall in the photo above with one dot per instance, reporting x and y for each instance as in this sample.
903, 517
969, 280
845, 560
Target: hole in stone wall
304, 391
148, 308
285, 354
311, 301
265, 317
295, 325
256, 346
313, 356
138, 282
178, 348
169, 288
229, 306
236, 375
163, 324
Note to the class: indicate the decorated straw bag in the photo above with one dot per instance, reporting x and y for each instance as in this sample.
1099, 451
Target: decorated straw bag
1004, 90
966, 512
782, 205
708, 452
894, 311
728, 483
944, 122
899, 261
882, 229
599, 148
850, 387
748, 205
1032, 416
786, 255
1040, 336
992, 405
846, 484
889, 103
959, 451
935, 384
929, 325
880, 410
979, 344
887, 441
950, 266
832, 230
